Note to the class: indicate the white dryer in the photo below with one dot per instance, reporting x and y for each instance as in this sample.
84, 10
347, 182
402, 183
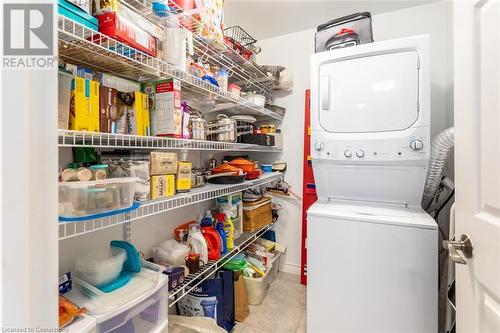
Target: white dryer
372, 263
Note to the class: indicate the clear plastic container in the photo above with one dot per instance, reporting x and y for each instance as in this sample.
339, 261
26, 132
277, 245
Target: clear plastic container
100, 266
93, 197
139, 306
257, 288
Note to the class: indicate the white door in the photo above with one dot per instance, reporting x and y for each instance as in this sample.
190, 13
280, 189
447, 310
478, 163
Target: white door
477, 162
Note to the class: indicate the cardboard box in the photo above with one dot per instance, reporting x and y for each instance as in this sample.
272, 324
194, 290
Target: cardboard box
162, 186
125, 31
107, 108
138, 115
164, 98
84, 109
184, 176
162, 163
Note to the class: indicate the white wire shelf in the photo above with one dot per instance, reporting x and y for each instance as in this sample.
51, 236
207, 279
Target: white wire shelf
193, 280
210, 50
68, 138
83, 46
154, 207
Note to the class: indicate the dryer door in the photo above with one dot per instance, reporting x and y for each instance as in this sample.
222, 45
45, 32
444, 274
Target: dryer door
375, 93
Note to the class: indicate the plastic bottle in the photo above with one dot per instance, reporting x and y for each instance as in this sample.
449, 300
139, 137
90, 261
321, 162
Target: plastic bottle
229, 229
208, 215
212, 238
219, 226
197, 242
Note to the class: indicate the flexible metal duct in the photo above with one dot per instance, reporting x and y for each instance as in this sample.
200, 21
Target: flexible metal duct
440, 150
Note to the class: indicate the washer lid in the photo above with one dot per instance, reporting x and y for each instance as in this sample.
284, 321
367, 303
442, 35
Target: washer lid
401, 215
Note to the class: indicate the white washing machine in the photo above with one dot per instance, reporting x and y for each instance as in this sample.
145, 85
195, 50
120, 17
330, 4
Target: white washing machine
372, 252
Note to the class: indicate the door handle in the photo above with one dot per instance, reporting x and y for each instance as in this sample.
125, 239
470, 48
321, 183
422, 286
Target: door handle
325, 92
464, 245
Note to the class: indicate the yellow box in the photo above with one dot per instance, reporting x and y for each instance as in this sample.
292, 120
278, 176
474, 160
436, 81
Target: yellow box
138, 116
84, 106
184, 176
162, 186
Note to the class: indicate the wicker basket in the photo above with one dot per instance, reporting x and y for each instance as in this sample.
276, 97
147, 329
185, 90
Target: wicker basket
257, 214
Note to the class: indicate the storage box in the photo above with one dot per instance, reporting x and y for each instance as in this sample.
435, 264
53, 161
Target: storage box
139, 306
278, 139
162, 163
184, 176
84, 110
257, 288
138, 115
73, 12
164, 97
107, 108
92, 197
64, 98
257, 214
116, 26
162, 186
258, 139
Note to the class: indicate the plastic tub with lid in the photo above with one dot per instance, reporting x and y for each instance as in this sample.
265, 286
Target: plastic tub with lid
100, 266
82, 198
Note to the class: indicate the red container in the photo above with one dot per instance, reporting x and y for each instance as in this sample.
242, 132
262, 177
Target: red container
213, 241
254, 174
121, 29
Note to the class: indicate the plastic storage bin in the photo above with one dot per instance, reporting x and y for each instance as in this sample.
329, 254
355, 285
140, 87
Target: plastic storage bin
257, 288
82, 324
144, 312
93, 197
100, 266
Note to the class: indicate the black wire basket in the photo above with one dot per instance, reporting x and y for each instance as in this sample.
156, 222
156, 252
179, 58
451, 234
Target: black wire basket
237, 34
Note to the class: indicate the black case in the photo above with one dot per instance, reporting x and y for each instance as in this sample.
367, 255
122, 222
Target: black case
360, 23
258, 139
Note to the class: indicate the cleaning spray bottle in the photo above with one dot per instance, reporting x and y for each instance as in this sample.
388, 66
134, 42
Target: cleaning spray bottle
219, 226
229, 229
212, 238
197, 242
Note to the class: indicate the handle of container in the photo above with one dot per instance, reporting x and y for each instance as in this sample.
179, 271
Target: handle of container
135, 312
325, 92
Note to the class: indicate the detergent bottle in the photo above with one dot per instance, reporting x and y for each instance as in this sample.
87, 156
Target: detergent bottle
229, 229
212, 238
208, 215
197, 242
219, 227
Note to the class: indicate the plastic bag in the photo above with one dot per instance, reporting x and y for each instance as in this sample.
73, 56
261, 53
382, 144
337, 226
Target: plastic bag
213, 298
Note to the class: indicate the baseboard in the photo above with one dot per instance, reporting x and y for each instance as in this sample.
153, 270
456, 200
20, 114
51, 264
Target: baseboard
290, 268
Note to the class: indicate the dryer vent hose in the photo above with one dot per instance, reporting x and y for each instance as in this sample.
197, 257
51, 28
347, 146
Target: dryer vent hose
440, 150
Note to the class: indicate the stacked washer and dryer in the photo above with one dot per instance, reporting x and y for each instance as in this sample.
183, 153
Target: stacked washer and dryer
372, 250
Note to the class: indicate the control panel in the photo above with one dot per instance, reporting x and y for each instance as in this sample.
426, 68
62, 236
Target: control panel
375, 149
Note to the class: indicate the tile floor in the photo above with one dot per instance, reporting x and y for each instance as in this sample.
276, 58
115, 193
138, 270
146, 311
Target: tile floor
282, 311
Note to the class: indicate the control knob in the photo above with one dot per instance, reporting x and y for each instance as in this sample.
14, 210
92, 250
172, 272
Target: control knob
348, 153
416, 145
360, 153
319, 145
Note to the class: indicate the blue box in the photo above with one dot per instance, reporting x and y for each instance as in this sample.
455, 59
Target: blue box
76, 14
